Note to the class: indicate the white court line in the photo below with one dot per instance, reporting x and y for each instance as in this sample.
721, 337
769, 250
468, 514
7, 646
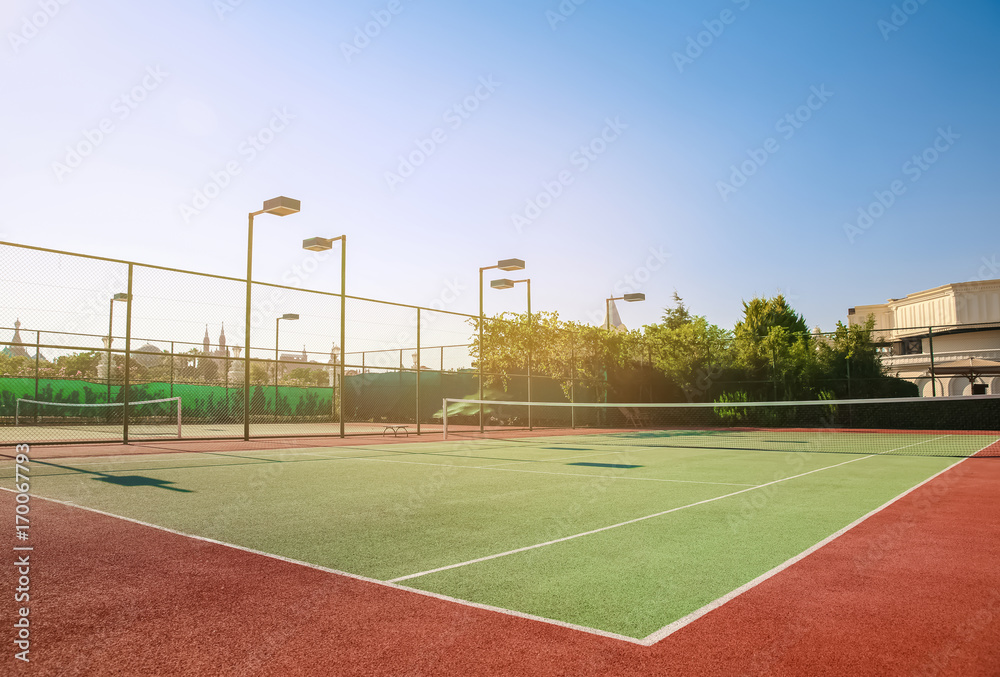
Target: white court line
620, 524
535, 472
647, 641
375, 581
670, 629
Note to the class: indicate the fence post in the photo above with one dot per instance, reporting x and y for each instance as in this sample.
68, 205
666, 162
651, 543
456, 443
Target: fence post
418, 371
128, 357
930, 341
38, 351
572, 378
847, 363
171, 368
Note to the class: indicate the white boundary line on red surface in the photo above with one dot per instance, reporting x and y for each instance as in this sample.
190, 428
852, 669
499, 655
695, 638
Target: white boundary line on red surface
649, 640
670, 629
387, 584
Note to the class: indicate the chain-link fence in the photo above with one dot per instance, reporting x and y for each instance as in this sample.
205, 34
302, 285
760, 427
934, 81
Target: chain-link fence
95, 349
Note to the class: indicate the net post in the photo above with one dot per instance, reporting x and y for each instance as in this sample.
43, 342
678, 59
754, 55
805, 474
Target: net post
179, 418
444, 418
17, 411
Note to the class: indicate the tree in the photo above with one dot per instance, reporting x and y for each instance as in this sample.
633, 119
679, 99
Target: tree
687, 349
303, 376
81, 365
772, 339
564, 351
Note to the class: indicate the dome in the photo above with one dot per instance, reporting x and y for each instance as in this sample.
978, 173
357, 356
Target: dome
141, 355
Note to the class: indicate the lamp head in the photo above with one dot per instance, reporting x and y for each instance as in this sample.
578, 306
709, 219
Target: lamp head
635, 297
282, 206
289, 316
502, 283
510, 264
317, 244
120, 297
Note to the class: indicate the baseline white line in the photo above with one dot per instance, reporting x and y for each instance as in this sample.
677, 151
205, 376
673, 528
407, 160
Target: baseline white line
620, 524
670, 629
375, 581
539, 472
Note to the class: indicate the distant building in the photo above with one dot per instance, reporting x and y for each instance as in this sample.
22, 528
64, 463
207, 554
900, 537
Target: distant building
16, 348
959, 323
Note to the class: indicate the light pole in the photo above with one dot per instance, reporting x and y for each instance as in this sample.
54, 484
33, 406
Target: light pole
111, 321
322, 244
277, 324
279, 206
629, 298
505, 265
504, 283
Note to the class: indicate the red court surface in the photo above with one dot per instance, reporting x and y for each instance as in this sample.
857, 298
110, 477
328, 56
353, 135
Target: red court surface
914, 590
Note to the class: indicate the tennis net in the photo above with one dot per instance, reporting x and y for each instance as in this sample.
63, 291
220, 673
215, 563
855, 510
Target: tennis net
147, 418
944, 426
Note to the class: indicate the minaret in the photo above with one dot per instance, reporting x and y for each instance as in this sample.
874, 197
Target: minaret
206, 342
222, 341
17, 346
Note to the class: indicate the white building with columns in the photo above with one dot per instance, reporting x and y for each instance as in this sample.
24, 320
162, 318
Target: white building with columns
958, 324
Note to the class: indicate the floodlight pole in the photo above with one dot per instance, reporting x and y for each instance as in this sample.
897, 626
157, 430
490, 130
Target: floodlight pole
509, 284
505, 264
277, 324
481, 320
246, 335
343, 326
531, 345
321, 244
111, 321
279, 206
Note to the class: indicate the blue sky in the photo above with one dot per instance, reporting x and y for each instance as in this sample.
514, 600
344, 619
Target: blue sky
611, 118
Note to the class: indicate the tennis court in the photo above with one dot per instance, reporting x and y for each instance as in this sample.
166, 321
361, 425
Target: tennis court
630, 535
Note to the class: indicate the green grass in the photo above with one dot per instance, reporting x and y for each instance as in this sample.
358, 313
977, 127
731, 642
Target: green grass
395, 510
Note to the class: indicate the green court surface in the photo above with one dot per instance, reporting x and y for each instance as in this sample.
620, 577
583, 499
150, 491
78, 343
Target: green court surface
678, 526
